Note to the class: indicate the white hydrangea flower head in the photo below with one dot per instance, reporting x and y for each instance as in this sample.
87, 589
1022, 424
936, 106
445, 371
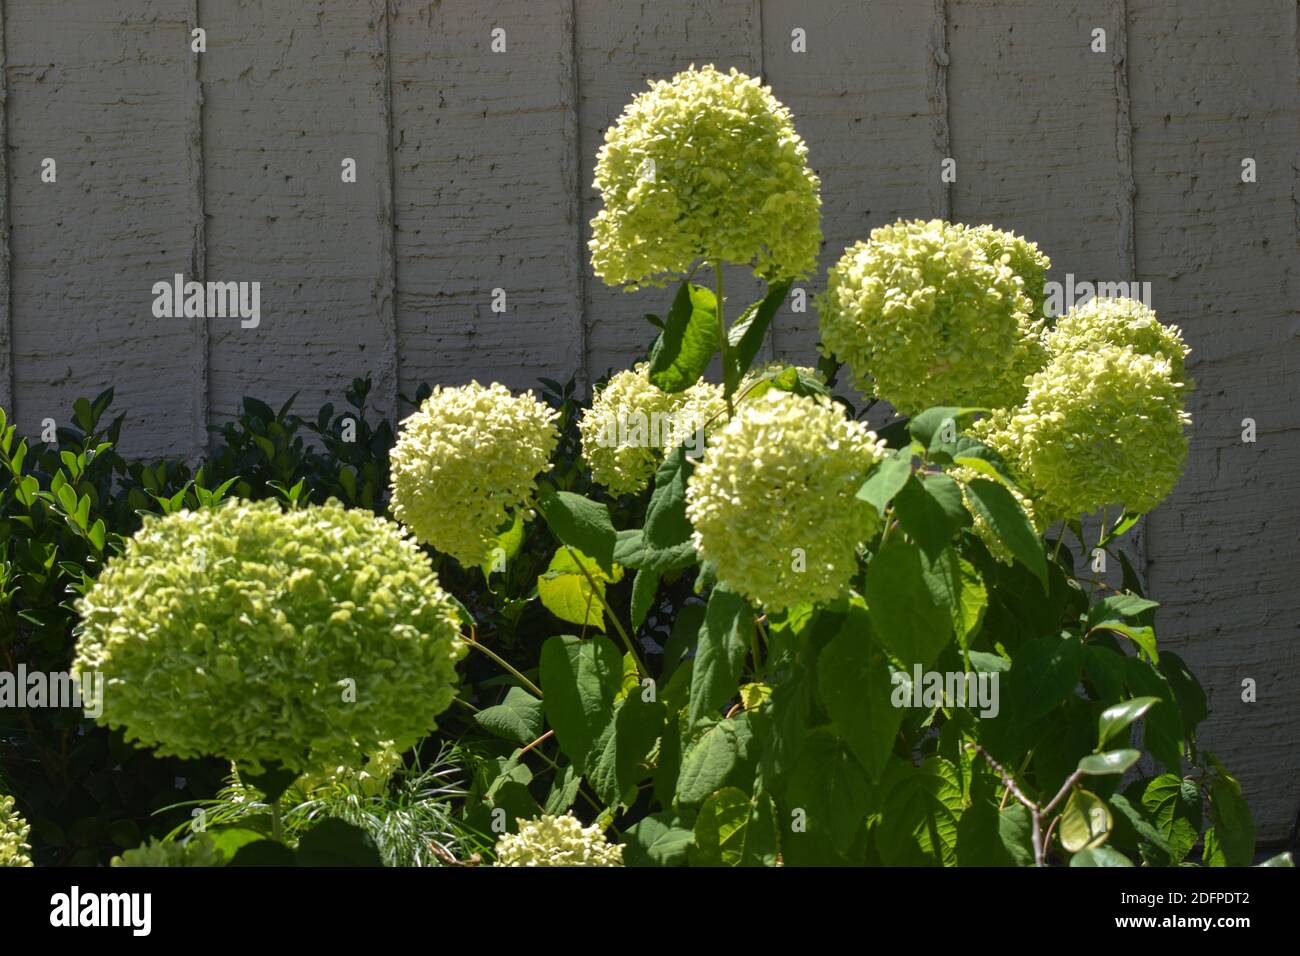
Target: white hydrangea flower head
557, 841
1098, 428
922, 316
707, 166
1023, 257
632, 425
783, 475
1119, 321
465, 462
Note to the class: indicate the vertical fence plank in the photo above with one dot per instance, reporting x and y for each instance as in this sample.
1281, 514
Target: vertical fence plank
104, 89
484, 192
1209, 89
292, 91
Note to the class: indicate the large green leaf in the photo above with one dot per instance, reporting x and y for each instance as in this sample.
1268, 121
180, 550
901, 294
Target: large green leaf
854, 679
1116, 719
517, 719
831, 789
930, 510
734, 829
580, 523
918, 816
666, 524
685, 347
1175, 805
1233, 826
618, 756
1008, 522
745, 337
567, 592
580, 680
713, 759
904, 593
332, 842
658, 840
720, 656
1110, 763
1100, 856
1085, 821
886, 479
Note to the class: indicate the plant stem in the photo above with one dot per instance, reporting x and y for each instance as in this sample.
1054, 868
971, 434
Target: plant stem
277, 831
502, 662
722, 340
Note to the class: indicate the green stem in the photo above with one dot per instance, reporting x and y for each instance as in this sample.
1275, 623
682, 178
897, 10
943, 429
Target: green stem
533, 688
722, 340
609, 612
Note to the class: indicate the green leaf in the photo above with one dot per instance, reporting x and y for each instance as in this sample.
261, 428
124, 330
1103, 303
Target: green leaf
1119, 606
1151, 843
579, 523
659, 840
1282, 859
1143, 637
617, 758
685, 633
745, 337
720, 657
918, 817
564, 791
930, 510
644, 588
855, 682
666, 524
928, 425
989, 837
567, 593
720, 828
1187, 689
1100, 856
1175, 805
685, 347
904, 594
517, 719
332, 842
1233, 826
1162, 727
1114, 720
830, 787
1007, 520
1045, 673
1085, 822
580, 680
886, 479
708, 764
1111, 762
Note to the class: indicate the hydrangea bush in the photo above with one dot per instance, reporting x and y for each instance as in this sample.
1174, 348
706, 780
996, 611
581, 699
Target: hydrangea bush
782, 595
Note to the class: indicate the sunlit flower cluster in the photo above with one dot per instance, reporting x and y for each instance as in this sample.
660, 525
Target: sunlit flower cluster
922, 316
707, 166
773, 500
466, 462
303, 638
14, 849
557, 841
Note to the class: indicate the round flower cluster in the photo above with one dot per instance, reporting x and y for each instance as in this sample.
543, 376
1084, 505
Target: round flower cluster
557, 841
1099, 427
1021, 256
707, 166
923, 316
632, 424
371, 778
1126, 322
773, 499
14, 849
305, 638
465, 461
198, 850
